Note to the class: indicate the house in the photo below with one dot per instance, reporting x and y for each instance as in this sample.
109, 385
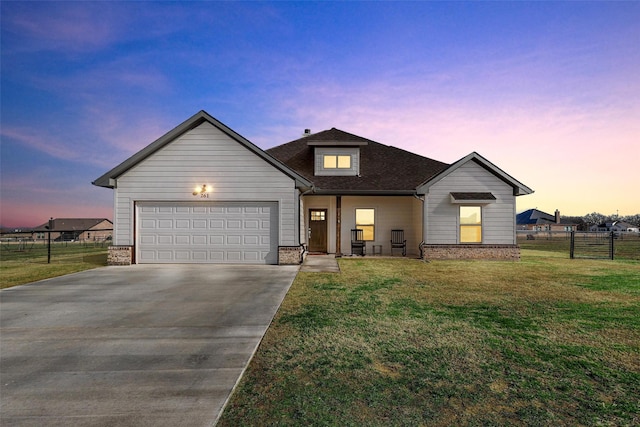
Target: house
204, 194
536, 220
75, 229
615, 226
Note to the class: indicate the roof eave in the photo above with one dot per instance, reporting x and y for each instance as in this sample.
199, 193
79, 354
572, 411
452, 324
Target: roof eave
330, 192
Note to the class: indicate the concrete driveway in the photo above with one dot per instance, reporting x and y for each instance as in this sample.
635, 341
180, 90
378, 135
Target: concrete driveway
144, 345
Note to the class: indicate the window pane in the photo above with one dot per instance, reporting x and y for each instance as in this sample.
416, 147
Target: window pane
367, 232
330, 162
471, 234
344, 162
365, 220
470, 215
365, 216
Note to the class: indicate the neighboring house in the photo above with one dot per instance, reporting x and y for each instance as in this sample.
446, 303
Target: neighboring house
536, 220
615, 226
204, 194
75, 229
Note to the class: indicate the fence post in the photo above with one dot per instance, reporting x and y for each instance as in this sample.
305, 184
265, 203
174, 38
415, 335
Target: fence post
49, 241
611, 236
572, 245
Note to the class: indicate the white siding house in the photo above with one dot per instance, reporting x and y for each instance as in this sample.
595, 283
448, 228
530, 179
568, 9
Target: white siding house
204, 194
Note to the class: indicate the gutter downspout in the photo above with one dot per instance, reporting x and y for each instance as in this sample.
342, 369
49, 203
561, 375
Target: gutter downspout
338, 225
422, 199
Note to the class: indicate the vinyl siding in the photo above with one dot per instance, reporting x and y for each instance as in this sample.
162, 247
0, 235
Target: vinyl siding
205, 155
442, 216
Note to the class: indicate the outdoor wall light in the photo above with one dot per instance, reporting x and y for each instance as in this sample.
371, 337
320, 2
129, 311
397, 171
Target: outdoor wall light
201, 189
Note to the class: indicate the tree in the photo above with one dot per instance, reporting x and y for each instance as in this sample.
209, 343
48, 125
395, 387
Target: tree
632, 219
594, 218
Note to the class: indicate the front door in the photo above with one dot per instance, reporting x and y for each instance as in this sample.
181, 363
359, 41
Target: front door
317, 230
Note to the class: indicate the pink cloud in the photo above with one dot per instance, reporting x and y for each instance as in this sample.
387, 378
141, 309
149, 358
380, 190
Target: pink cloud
578, 157
32, 213
38, 194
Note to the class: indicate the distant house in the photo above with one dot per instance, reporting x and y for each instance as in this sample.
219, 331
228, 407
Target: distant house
202, 193
616, 227
536, 220
76, 229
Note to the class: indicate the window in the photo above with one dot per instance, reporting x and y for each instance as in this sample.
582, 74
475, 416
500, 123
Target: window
365, 220
336, 161
470, 224
318, 215
331, 161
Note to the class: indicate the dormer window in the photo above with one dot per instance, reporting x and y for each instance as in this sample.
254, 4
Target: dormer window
332, 161
336, 153
337, 161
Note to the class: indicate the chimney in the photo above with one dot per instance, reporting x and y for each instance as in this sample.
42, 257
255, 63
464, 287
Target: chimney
557, 216
307, 132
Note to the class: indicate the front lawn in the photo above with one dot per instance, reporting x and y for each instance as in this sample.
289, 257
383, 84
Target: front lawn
547, 341
20, 264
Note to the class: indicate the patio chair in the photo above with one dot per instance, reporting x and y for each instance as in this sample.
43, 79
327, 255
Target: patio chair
358, 246
398, 241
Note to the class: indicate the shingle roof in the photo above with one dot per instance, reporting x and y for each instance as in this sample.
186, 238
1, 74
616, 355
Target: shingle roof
382, 168
71, 224
473, 196
534, 216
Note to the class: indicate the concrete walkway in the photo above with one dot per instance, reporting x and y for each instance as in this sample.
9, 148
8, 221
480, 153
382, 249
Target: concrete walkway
145, 345
320, 264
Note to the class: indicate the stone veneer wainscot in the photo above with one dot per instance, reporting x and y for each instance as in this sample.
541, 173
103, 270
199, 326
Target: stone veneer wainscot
119, 255
488, 252
290, 255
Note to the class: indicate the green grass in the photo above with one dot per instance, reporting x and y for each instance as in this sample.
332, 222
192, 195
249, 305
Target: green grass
547, 341
25, 264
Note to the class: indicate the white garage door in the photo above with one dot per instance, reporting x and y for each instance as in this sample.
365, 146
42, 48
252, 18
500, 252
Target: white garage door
243, 233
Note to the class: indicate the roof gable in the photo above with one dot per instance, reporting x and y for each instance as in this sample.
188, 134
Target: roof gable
108, 179
70, 224
519, 189
335, 137
383, 169
534, 216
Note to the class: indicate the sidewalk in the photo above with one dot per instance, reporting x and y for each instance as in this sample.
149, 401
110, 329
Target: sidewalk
320, 264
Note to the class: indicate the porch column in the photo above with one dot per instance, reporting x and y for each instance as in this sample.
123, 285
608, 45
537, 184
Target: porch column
338, 227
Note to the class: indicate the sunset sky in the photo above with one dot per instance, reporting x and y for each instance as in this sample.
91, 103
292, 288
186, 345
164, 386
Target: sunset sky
549, 92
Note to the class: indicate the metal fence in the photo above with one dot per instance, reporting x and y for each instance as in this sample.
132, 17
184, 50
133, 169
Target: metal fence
592, 245
587, 245
31, 247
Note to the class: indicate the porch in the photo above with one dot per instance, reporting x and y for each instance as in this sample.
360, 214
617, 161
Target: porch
328, 221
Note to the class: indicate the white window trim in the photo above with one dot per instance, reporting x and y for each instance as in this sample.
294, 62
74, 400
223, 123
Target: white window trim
460, 225
366, 225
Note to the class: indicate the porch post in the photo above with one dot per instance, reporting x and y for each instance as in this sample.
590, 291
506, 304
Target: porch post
338, 227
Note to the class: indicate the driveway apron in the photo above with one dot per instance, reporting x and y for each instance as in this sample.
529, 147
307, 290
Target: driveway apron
144, 345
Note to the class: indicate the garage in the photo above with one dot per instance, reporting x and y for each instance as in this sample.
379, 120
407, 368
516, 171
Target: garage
207, 232
202, 193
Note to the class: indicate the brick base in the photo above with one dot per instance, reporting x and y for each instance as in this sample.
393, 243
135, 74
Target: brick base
290, 255
119, 255
488, 252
